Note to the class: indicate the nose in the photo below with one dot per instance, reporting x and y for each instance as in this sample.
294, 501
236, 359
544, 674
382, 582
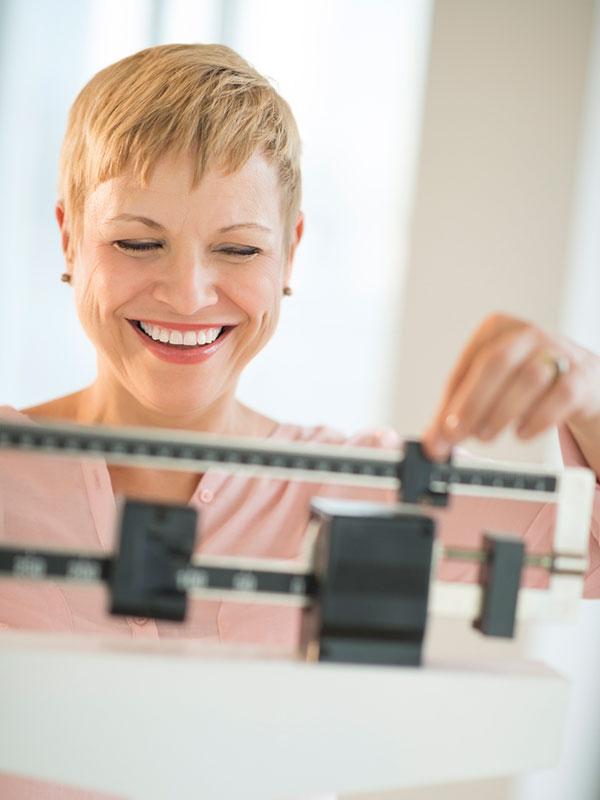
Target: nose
187, 285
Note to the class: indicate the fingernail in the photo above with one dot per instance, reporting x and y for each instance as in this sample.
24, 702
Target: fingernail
451, 422
440, 448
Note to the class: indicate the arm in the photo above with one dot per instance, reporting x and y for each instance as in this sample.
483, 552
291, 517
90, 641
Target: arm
587, 436
573, 456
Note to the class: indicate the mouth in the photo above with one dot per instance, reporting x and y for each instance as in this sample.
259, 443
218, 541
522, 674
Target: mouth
191, 339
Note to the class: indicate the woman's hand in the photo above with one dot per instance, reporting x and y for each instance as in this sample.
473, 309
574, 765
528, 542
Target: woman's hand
512, 371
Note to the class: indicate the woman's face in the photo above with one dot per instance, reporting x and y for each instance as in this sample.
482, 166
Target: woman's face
178, 288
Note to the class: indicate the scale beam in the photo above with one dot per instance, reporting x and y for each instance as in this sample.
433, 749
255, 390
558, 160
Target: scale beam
223, 577
415, 477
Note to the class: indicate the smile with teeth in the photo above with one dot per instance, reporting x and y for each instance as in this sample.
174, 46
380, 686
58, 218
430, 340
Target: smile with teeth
185, 339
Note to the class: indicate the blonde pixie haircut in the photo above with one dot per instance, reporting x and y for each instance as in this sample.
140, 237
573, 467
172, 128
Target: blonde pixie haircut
202, 99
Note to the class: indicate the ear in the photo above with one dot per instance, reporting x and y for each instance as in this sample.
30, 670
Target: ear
65, 235
298, 231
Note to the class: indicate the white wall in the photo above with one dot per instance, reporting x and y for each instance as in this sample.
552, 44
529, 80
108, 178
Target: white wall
506, 218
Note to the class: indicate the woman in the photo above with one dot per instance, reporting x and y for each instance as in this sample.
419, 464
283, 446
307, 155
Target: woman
180, 217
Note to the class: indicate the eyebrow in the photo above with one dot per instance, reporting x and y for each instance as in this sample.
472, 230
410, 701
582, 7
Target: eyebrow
152, 223
256, 225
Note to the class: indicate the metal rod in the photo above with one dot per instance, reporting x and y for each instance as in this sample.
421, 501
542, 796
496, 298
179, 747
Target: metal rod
457, 554
222, 575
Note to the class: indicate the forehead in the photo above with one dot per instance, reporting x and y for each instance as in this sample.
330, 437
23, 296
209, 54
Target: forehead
252, 194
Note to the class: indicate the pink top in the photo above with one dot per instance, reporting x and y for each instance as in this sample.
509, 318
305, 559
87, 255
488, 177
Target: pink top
70, 503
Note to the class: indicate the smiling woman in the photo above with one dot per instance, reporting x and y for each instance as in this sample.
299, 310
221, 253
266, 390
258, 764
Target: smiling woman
179, 211
179, 221
180, 216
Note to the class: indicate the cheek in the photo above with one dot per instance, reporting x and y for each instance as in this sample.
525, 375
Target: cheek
103, 286
259, 293
263, 309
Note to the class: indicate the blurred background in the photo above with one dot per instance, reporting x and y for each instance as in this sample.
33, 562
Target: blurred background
451, 168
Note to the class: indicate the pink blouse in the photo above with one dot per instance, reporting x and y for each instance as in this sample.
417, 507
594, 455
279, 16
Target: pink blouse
69, 503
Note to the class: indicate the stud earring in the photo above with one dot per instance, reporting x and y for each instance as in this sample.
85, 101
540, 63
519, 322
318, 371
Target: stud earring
65, 277
287, 290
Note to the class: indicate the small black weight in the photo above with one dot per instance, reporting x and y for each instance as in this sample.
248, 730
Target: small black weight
156, 540
500, 578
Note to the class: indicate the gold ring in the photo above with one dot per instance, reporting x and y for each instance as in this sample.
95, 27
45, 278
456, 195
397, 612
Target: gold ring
559, 365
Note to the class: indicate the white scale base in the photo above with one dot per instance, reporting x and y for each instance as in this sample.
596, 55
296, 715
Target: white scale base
178, 719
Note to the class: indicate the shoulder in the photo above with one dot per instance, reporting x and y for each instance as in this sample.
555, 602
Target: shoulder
11, 413
59, 408
64, 408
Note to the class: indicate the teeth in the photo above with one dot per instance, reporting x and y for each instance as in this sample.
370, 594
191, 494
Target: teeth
189, 338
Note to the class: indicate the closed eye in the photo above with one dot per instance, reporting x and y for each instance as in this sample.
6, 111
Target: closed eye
240, 252
149, 246
137, 245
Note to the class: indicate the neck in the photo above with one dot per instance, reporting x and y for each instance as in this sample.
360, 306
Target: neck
108, 403
97, 406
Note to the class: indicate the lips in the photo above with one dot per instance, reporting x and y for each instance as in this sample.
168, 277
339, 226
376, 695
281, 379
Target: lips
180, 353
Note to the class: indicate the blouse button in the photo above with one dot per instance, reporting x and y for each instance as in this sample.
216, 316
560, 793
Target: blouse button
206, 496
140, 620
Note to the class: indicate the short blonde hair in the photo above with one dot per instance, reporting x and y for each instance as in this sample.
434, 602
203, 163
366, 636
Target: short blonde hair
177, 98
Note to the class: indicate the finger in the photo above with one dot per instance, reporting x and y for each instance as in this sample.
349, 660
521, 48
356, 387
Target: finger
519, 396
480, 389
563, 399
491, 327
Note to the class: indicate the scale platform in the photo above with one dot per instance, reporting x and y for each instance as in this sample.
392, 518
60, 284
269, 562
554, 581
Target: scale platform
181, 719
